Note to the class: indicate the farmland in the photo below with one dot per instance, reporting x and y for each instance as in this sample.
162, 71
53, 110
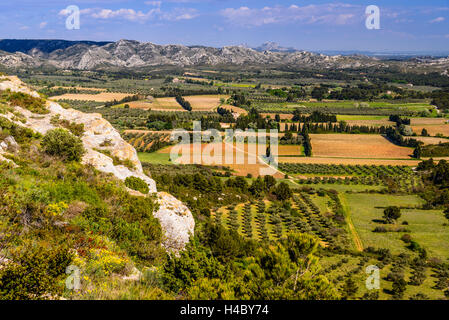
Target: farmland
356, 146
206, 102
100, 97
341, 163
426, 226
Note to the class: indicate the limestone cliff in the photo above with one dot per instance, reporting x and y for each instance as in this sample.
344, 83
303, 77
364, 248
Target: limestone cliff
100, 140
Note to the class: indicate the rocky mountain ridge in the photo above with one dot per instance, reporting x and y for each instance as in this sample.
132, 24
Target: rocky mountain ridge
135, 54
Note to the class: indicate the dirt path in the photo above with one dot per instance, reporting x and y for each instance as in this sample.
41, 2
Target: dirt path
354, 235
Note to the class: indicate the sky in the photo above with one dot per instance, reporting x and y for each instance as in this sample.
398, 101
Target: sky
306, 25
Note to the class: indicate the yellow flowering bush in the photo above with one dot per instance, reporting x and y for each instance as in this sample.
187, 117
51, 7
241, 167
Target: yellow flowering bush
104, 262
56, 209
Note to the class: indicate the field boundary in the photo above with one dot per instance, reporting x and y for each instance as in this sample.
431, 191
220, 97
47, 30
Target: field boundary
352, 230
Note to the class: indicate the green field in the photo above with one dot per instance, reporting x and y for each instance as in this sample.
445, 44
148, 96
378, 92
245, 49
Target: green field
349, 267
154, 157
376, 104
426, 226
342, 187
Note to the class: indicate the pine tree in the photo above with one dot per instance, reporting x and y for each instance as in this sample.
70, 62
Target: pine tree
417, 152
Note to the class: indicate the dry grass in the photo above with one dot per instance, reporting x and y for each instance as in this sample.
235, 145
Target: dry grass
144, 105
356, 146
283, 116
198, 79
81, 88
433, 126
348, 161
235, 109
166, 104
248, 162
428, 121
289, 150
431, 140
101, 97
205, 102
433, 129
370, 123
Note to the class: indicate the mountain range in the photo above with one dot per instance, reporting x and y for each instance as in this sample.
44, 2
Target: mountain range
90, 55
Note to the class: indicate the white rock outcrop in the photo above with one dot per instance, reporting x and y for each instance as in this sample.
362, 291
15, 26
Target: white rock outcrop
176, 219
7, 144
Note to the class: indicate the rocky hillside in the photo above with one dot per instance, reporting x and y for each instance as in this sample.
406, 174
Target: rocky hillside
106, 151
134, 54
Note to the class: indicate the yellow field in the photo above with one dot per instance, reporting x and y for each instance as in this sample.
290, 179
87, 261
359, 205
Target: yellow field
432, 129
431, 140
289, 150
249, 161
427, 121
101, 97
348, 161
370, 123
80, 88
166, 104
356, 146
235, 109
205, 102
283, 116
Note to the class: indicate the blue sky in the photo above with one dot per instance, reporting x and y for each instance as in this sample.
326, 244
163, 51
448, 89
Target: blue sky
310, 25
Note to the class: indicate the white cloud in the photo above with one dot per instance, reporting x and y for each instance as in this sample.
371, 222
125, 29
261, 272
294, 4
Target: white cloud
65, 12
127, 14
180, 14
332, 14
138, 16
42, 25
437, 20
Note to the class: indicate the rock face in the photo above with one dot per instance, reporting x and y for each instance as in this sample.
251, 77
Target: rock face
135, 54
99, 135
7, 144
175, 219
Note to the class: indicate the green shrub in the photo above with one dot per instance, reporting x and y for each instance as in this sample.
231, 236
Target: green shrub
20, 134
34, 273
137, 184
20, 99
116, 160
60, 142
75, 128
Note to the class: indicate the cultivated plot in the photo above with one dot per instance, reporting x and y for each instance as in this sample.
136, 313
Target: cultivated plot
357, 146
100, 97
424, 226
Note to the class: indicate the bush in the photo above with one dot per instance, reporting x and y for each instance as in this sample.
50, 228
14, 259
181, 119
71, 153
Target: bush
20, 134
283, 191
137, 184
20, 99
34, 273
392, 213
406, 238
75, 128
60, 142
380, 229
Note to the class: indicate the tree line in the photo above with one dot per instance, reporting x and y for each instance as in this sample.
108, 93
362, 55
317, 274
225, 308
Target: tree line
184, 103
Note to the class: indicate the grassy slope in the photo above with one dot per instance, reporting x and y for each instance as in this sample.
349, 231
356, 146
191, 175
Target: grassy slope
426, 226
